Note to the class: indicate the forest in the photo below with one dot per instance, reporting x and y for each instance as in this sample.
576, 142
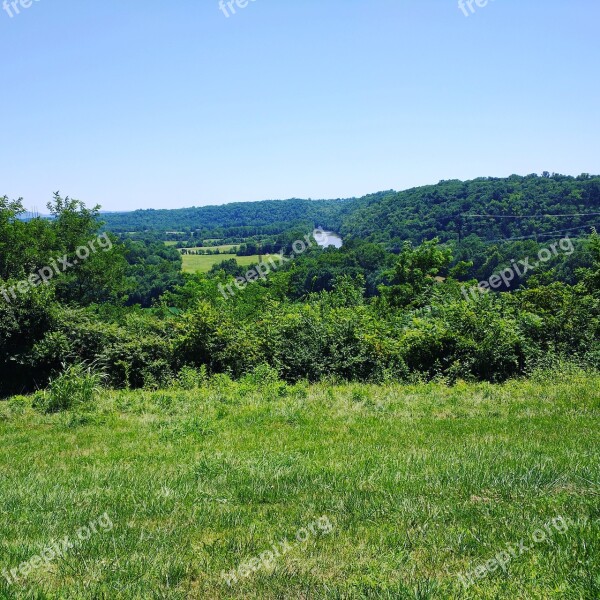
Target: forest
446, 210
402, 300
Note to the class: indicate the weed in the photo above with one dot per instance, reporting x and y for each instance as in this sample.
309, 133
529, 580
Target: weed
77, 387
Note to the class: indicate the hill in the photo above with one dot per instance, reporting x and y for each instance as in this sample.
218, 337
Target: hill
451, 210
268, 216
446, 210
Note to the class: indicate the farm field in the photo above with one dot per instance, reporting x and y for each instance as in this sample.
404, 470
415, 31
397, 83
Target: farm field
366, 491
203, 264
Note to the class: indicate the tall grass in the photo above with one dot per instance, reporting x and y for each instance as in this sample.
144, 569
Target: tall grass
77, 387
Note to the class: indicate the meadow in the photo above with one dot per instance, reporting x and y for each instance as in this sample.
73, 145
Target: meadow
419, 484
203, 264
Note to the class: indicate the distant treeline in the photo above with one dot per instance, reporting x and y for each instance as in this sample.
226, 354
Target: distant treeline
455, 210
242, 219
449, 210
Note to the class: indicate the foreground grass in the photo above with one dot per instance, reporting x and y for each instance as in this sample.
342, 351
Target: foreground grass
419, 483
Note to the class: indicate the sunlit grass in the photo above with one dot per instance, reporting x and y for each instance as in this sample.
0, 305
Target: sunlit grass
421, 483
203, 263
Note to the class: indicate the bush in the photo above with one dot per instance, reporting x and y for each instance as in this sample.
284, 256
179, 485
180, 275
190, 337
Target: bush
264, 379
23, 323
189, 378
75, 388
134, 349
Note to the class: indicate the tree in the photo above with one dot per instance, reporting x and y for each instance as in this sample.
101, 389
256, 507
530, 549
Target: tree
413, 278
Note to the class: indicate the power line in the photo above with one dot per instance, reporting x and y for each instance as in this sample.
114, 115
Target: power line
533, 216
538, 235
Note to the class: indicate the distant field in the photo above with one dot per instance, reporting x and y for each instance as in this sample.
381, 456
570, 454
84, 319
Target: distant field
224, 248
203, 264
368, 492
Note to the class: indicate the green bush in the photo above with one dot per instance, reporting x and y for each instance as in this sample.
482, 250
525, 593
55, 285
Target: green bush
265, 379
24, 322
189, 378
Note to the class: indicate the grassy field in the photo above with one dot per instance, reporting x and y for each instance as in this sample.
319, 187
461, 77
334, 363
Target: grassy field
203, 264
365, 491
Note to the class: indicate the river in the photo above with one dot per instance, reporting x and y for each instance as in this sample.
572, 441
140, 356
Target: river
325, 239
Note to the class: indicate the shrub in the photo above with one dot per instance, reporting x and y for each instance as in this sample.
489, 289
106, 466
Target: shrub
23, 323
189, 378
264, 379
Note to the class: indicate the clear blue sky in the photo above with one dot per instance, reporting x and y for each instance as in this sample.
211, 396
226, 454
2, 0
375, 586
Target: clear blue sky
135, 104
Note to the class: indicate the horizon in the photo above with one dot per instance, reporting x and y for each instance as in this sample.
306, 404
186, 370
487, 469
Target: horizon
341, 199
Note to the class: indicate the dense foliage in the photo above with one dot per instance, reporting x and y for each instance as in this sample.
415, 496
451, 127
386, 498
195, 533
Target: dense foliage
388, 306
445, 210
452, 210
243, 219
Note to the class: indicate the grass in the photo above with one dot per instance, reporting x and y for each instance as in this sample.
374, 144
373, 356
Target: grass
203, 264
76, 388
419, 483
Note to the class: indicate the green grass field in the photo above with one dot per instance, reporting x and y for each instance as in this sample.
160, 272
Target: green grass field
380, 491
203, 264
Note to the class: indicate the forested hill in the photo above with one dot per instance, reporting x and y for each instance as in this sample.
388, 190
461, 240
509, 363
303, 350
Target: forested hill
278, 214
450, 210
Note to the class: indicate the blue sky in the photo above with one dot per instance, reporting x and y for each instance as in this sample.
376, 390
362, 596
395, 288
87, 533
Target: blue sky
170, 103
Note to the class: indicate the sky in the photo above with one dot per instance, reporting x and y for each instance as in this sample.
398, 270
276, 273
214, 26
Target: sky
167, 104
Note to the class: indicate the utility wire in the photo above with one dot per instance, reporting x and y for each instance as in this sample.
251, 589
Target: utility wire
533, 216
538, 235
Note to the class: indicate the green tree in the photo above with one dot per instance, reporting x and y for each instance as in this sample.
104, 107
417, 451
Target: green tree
415, 275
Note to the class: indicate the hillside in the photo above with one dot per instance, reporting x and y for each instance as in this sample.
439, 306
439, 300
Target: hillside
269, 216
443, 210
446, 210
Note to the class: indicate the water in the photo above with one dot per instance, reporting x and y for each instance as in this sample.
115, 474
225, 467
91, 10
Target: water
328, 238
